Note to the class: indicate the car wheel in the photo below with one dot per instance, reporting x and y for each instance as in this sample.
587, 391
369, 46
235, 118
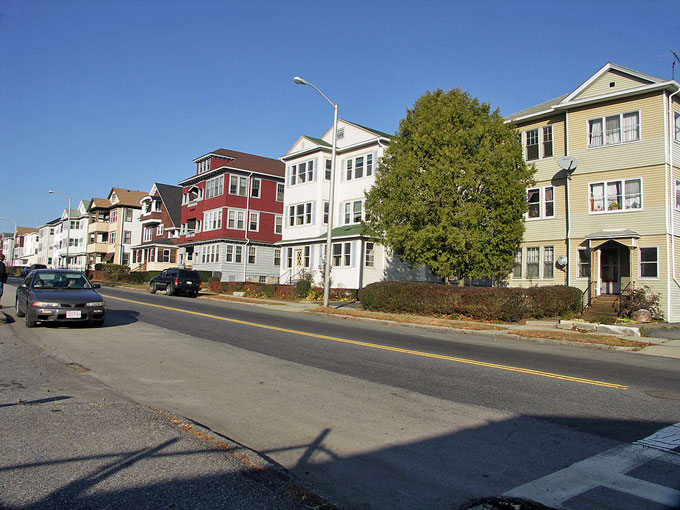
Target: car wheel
152, 288
17, 309
30, 321
170, 290
193, 294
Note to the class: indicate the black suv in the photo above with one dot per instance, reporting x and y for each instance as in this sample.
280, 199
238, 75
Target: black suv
30, 268
176, 281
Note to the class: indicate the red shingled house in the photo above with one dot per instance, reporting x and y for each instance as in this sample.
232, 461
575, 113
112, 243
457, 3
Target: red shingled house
232, 214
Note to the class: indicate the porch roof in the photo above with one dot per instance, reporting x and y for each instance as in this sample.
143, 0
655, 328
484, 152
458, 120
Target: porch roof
613, 234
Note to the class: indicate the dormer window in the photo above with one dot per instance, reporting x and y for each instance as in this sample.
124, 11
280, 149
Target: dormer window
192, 194
204, 166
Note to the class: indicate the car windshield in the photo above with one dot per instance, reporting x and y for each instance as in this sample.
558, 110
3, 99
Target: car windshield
59, 280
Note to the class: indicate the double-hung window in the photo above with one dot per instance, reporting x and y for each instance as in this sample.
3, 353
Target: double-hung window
280, 187
370, 255
517, 264
541, 202
212, 220
237, 185
539, 143
533, 262
356, 168
649, 262
353, 212
614, 129
301, 173
251, 254
254, 221
236, 219
584, 263
255, 185
278, 224
619, 195
300, 214
342, 254
327, 173
548, 262
214, 187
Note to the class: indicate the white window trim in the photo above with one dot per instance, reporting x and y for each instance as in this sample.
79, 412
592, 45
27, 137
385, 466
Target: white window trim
238, 185
236, 213
283, 192
278, 218
658, 264
304, 214
353, 159
603, 118
293, 173
623, 191
257, 221
259, 188
541, 264
351, 212
541, 204
583, 278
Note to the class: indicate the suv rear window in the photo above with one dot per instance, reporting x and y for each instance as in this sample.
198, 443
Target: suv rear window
189, 275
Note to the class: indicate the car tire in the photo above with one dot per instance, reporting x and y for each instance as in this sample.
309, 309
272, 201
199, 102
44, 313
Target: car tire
170, 290
17, 309
30, 321
193, 294
152, 288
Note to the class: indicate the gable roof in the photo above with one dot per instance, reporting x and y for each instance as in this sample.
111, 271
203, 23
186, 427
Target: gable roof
100, 203
172, 198
22, 231
127, 197
638, 83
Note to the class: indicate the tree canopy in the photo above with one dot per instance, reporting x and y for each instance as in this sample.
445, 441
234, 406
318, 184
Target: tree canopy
450, 191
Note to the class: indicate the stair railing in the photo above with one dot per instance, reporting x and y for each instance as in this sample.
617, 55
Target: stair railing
618, 302
587, 296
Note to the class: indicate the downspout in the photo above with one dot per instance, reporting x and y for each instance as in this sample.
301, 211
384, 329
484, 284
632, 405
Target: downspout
566, 198
670, 183
247, 224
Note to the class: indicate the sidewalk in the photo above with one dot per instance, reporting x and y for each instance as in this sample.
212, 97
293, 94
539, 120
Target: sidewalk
70, 442
664, 338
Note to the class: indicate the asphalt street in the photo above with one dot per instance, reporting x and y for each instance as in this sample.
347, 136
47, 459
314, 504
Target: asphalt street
376, 416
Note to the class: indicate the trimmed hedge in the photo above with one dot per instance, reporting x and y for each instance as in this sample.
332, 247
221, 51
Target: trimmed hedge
481, 303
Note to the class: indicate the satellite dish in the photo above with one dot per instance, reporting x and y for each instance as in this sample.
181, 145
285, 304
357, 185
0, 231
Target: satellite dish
561, 261
567, 163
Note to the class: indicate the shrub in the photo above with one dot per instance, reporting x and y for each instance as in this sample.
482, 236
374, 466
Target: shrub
641, 298
114, 268
302, 288
482, 303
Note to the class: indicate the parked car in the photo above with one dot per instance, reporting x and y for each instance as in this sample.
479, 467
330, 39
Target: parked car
176, 281
59, 295
28, 269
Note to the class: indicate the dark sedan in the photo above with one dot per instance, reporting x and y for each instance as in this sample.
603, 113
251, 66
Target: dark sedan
59, 295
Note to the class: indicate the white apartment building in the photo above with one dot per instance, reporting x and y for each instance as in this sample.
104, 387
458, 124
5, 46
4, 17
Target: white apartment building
70, 239
26, 248
46, 243
357, 260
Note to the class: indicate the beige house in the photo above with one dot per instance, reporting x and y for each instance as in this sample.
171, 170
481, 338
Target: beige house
114, 224
605, 218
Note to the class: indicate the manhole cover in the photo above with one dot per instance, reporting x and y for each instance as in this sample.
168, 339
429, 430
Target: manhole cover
669, 395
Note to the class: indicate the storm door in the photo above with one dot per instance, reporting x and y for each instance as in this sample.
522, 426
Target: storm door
610, 271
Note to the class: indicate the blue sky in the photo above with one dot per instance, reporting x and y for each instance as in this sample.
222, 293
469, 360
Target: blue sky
96, 94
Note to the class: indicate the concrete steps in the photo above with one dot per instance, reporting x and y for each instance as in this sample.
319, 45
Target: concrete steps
601, 305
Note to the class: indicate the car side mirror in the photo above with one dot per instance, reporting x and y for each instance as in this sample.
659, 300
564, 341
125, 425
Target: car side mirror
96, 286
22, 286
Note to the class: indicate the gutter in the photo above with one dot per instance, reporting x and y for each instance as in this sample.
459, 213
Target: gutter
670, 183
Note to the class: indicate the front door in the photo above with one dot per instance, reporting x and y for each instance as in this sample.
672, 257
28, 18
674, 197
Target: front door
610, 273
299, 263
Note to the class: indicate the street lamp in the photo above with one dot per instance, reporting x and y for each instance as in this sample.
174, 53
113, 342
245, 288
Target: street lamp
329, 235
14, 240
68, 216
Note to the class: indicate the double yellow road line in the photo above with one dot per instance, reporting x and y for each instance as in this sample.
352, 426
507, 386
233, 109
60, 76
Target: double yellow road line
388, 348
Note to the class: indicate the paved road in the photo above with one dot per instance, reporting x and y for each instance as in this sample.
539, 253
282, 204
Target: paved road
378, 417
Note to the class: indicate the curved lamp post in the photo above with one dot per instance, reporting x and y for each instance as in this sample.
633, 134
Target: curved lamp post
68, 215
329, 235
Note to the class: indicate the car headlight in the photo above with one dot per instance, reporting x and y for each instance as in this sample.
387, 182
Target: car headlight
43, 304
95, 303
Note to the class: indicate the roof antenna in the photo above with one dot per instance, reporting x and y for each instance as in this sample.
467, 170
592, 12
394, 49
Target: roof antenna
675, 55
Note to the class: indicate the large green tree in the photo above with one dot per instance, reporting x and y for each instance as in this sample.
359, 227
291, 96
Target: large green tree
450, 192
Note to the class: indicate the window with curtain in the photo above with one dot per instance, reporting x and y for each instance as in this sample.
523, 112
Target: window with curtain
631, 127
533, 262
517, 264
614, 196
595, 138
549, 202
547, 142
597, 197
548, 261
534, 199
613, 125
633, 194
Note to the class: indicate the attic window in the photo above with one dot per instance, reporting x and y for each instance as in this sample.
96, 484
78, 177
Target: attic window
341, 133
612, 84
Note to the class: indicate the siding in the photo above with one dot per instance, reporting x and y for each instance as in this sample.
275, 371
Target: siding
648, 220
549, 228
602, 84
559, 275
546, 168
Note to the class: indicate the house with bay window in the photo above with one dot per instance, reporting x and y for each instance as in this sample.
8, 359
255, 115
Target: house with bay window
160, 218
231, 216
610, 221
69, 239
357, 260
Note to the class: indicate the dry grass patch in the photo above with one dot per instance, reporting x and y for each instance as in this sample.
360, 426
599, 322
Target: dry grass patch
408, 319
614, 341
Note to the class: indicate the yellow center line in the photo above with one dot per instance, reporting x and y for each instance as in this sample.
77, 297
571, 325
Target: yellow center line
388, 348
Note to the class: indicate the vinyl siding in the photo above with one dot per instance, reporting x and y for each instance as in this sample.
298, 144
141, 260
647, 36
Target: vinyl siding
648, 150
548, 228
559, 275
546, 168
602, 84
648, 220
